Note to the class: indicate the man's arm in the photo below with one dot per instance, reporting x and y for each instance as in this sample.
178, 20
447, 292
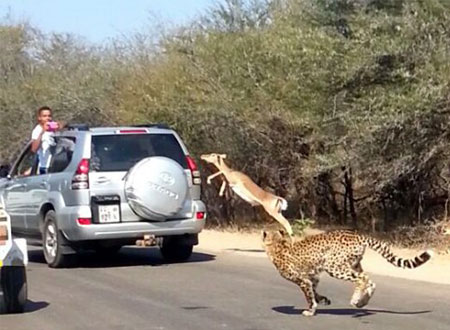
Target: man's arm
36, 142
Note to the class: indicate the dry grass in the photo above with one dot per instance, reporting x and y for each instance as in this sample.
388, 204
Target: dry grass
421, 237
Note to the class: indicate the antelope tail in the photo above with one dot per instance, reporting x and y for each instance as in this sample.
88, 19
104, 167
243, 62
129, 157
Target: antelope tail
384, 250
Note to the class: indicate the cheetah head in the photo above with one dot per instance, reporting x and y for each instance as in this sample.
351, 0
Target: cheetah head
271, 237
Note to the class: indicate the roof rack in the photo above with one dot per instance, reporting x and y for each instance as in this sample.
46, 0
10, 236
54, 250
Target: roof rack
157, 125
77, 127
85, 127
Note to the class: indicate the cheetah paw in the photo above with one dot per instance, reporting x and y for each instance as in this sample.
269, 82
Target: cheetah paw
324, 301
309, 312
357, 299
361, 299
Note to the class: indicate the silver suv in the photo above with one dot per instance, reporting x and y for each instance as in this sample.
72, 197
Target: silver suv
108, 187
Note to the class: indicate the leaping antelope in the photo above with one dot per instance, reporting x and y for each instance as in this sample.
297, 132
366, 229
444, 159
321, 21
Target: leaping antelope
249, 191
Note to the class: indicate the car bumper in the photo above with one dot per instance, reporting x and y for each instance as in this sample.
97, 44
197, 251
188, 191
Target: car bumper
73, 231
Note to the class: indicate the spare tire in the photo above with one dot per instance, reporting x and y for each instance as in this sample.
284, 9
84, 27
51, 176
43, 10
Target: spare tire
156, 188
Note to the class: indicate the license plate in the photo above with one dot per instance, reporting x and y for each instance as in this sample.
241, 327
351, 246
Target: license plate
108, 213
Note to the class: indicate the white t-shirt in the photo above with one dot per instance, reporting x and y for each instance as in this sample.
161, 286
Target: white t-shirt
47, 141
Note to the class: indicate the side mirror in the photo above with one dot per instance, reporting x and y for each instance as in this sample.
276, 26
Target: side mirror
4, 171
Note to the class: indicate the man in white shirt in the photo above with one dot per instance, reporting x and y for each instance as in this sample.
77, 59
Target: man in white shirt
42, 137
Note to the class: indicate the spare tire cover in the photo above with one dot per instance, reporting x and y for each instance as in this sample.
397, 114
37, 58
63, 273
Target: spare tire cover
156, 188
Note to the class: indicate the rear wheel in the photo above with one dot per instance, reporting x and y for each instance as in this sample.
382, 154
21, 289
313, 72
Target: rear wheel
173, 250
14, 287
52, 241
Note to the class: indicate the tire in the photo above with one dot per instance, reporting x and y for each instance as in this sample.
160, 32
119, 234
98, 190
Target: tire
156, 188
15, 288
52, 241
173, 251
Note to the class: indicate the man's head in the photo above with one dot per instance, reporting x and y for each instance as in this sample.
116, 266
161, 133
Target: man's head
44, 115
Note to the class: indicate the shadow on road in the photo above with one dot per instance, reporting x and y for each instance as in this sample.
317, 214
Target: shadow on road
354, 312
33, 306
30, 307
126, 257
246, 250
194, 308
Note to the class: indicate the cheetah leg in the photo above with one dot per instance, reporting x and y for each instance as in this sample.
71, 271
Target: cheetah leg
364, 287
364, 291
319, 298
307, 287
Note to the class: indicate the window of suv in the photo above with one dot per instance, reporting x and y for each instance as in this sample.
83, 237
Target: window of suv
62, 154
121, 152
27, 164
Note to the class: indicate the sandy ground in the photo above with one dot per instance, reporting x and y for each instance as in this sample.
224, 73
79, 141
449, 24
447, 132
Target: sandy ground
436, 270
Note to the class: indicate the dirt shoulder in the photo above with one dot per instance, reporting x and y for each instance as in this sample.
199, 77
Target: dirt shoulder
437, 270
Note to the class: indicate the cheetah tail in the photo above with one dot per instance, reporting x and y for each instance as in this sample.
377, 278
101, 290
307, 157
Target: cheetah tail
384, 250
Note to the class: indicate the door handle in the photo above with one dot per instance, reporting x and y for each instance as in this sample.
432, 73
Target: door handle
16, 186
102, 179
43, 185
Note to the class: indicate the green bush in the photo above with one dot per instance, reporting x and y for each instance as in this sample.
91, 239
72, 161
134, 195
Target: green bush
341, 106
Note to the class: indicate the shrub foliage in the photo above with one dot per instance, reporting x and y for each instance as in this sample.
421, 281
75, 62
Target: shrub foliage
341, 106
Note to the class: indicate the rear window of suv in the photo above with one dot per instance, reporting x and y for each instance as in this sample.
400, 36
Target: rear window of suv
121, 152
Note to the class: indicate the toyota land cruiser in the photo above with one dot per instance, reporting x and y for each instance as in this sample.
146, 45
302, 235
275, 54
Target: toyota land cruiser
107, 187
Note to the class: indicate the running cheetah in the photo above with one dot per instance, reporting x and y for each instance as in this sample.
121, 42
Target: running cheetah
338, 253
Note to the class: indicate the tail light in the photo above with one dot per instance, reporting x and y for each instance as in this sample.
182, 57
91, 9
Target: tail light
200, 215
133, 131
81, 178
194, 170
84, 221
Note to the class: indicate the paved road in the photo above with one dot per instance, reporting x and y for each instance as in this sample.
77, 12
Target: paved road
135, 290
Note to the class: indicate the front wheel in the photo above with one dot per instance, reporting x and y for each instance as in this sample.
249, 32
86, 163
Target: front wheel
52, 240
173, 251
15, 288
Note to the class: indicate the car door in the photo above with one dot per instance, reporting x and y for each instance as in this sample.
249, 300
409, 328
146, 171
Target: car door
39, 186
14, 193
37, 189
15, 190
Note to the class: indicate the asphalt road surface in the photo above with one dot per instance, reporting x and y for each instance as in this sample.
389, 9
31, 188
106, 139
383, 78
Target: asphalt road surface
136, 290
